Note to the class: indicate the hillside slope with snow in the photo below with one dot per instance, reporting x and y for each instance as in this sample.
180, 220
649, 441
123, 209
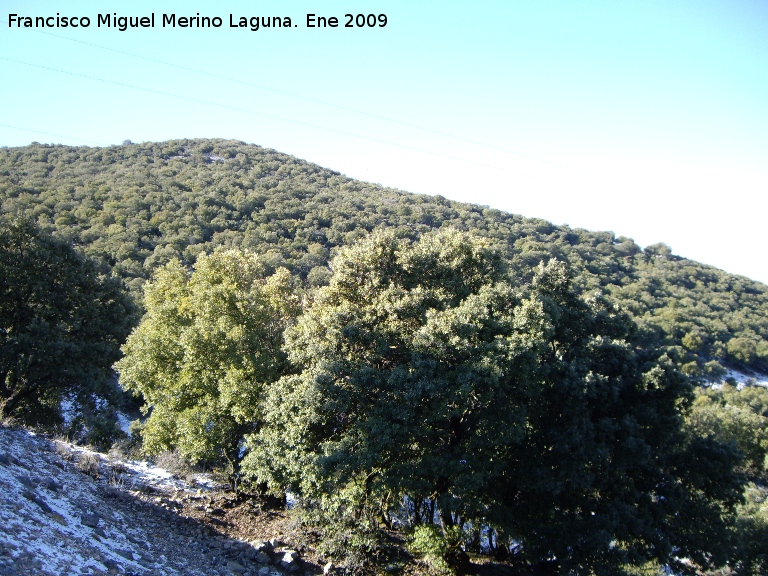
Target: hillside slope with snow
67, 511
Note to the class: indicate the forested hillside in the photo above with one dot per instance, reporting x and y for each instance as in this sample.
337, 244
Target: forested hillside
137, 206
429, 381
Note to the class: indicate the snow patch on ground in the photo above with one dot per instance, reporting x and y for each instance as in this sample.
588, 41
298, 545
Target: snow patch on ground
124, 422
141, 474
144, 474
40, 514
54, 516
742, 379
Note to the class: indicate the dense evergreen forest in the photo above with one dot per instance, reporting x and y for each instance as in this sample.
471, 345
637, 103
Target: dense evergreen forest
420, 374
137, 206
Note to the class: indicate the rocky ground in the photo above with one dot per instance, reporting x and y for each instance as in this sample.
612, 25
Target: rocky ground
65, 510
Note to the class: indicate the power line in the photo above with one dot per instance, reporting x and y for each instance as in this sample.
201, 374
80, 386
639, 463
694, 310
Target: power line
52, 134
254, 113
310, 99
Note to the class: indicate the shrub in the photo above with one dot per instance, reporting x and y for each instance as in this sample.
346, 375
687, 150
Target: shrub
429, 542
175, 463
355, 541
89, 464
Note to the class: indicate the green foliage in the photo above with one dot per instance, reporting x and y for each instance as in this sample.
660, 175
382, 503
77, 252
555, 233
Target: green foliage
740, 417
206, 351
692, 341
606, 476
404, 333
62, 320
647, 569
428, 542
742, 350
137, 207
735, 416
427, 378
356, 539
753, 532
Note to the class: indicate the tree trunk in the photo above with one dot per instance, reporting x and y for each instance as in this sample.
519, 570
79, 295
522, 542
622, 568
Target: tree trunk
418, 502
10, 403
446, 520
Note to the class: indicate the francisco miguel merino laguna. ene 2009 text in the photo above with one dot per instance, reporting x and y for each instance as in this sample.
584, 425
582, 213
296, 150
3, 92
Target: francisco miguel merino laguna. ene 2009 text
254, 23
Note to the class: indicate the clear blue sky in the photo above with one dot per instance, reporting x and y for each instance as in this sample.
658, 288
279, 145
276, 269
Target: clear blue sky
647, 118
